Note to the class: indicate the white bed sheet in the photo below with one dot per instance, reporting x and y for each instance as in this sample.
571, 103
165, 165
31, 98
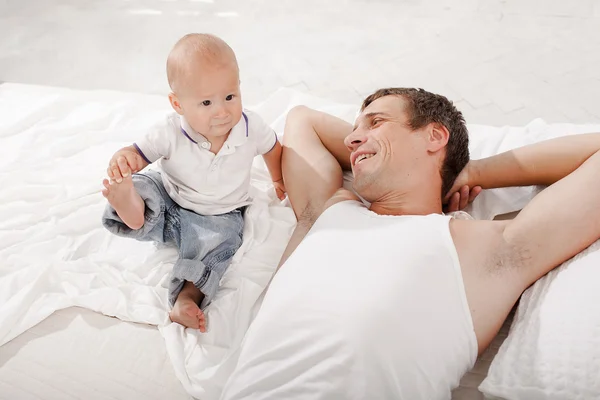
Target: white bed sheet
79, 354
54, 145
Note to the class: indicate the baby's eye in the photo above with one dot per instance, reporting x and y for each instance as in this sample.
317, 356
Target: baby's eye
206, 103
229, 98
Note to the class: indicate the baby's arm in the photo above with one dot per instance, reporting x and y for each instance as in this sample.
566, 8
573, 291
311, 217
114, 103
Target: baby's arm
273, 161
125, 162
148, 149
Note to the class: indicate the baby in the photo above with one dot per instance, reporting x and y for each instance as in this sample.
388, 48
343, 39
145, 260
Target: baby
205, 152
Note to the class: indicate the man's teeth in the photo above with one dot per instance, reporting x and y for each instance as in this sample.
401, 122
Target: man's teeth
362, 157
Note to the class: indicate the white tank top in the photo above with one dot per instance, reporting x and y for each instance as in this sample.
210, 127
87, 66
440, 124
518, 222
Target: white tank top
367, 307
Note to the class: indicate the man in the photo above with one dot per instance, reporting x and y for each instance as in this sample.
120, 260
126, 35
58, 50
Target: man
396, 300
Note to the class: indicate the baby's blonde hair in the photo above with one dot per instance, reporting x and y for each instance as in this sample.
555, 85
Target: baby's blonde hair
196, 47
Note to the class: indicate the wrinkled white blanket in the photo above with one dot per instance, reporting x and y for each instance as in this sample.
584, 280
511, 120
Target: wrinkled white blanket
54, 147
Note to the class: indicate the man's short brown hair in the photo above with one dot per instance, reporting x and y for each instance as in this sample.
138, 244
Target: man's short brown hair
424, 108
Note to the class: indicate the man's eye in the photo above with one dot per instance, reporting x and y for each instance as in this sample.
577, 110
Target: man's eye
206, 103
229, 98
376, 121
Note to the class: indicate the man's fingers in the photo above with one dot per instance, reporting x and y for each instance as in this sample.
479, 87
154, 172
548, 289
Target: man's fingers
464, 197
453, 203
450, 194
474, 193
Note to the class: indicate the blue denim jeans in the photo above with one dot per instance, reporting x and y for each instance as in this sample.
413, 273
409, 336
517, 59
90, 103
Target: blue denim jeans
206, 243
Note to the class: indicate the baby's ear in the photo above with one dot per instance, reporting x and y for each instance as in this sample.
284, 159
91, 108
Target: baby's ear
175, 103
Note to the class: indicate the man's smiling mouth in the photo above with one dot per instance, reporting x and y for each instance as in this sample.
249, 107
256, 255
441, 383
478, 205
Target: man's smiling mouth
362, 157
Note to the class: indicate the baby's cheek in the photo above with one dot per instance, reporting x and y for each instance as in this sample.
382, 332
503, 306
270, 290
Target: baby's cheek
237, 111
202, 122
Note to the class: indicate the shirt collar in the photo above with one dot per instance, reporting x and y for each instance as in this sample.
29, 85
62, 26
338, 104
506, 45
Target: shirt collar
190, 133
237, 136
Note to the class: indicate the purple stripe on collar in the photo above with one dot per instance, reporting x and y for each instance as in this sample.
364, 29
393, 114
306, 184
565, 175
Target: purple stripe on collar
246, 118
187, 136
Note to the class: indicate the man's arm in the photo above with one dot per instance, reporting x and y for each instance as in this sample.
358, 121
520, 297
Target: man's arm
313, 149
562, 220
542, 163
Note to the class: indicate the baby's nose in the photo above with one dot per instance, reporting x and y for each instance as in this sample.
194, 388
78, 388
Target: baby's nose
221, 113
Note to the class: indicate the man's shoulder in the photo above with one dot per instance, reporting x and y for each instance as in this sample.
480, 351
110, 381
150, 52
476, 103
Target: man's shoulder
463, 225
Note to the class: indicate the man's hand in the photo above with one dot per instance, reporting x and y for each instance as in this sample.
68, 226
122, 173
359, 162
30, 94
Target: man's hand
125, 162
280, 189
464, 190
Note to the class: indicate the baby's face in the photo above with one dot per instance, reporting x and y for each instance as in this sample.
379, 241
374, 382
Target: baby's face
211, 100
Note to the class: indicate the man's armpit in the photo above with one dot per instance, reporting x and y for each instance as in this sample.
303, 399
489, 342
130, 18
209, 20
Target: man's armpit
508, 257
309, 214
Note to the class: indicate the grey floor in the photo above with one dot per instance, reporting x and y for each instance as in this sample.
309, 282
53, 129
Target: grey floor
501, 61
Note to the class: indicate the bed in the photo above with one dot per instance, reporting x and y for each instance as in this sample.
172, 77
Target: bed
83, 314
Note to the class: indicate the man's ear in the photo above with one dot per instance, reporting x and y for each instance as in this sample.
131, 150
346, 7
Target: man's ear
175, 103
438, 137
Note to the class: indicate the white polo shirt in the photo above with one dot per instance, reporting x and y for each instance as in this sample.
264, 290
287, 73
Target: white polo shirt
199, 180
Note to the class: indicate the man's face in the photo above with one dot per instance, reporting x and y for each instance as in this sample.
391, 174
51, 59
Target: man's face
383, 147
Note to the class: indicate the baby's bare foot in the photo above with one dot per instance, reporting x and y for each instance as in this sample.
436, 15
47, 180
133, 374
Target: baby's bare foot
126, 201
187, 313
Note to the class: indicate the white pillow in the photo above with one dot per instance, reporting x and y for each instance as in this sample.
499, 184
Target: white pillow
552, 351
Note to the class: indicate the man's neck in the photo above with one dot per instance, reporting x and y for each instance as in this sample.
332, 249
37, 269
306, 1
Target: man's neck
414, 202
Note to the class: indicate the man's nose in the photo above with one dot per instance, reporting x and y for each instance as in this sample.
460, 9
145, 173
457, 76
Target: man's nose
354, 140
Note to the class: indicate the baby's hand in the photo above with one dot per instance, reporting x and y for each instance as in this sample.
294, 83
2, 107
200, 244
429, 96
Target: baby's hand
124, 163
280, 189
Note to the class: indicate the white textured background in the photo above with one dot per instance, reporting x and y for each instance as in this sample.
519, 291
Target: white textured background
501, 61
